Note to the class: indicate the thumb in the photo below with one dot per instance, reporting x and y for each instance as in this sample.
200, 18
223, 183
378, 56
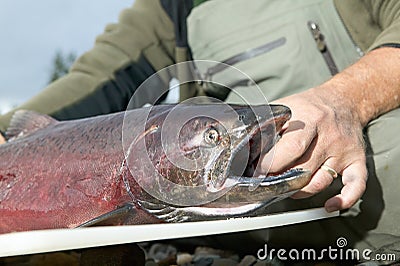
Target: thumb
354, 179
293, 145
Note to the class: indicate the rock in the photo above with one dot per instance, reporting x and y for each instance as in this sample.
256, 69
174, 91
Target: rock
248, 260
213, 251
159, 252
203, 262
184, 259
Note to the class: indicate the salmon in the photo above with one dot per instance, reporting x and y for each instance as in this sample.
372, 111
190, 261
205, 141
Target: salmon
125, 168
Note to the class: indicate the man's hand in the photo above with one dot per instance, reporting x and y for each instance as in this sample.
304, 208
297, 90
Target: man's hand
323, 131
327, 122
2, 140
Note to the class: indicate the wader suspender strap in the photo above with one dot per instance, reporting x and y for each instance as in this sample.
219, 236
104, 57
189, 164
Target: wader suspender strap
178, 12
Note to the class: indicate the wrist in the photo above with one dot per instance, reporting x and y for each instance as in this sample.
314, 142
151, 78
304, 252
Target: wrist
352, 100
344, 106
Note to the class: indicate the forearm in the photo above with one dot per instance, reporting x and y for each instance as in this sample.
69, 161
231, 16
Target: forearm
326, 128
368, 88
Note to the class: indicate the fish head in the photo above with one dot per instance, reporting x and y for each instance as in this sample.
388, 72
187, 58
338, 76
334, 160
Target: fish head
215, 150
193, 155
203, 144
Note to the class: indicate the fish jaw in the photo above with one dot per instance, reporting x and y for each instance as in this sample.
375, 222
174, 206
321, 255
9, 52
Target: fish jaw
250, 189
261, 139
257, 130
240, 201
263, 188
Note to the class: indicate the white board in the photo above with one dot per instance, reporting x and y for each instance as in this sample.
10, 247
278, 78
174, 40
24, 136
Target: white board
39, 241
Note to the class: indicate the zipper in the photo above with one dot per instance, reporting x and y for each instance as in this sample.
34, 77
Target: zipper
246, 55
221, 92
322, 46
358, 49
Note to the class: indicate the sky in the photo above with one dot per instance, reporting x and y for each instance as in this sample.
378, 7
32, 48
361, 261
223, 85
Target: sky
32, 32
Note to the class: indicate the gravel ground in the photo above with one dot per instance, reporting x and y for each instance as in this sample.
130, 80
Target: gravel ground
149, 254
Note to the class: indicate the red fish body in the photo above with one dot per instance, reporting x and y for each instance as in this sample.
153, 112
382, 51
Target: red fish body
63, 174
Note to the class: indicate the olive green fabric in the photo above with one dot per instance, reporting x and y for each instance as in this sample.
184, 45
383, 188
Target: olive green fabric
371, 23
198, 2
292, 65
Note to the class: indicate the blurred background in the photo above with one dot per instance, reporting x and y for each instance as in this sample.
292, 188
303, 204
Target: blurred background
40, 39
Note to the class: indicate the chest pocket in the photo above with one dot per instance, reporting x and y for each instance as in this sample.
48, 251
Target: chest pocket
273, 42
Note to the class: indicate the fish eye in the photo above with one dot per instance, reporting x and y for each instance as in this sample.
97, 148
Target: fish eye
211, 136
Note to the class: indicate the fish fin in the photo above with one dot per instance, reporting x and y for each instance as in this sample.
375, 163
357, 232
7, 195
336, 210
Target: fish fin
26, 122
172, 214
112, 217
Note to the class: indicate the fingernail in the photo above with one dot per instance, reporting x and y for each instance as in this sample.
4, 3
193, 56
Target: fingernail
331, 208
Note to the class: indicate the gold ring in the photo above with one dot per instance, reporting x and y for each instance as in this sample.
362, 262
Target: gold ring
332, 172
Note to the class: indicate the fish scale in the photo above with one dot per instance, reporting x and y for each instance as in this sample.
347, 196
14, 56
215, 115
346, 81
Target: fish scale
59, 169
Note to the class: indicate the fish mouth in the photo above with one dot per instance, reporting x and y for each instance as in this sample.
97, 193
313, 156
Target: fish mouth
264, 133
247, 186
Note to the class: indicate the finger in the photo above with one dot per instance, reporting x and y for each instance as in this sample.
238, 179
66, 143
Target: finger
319, 182
354, 179
292, 145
